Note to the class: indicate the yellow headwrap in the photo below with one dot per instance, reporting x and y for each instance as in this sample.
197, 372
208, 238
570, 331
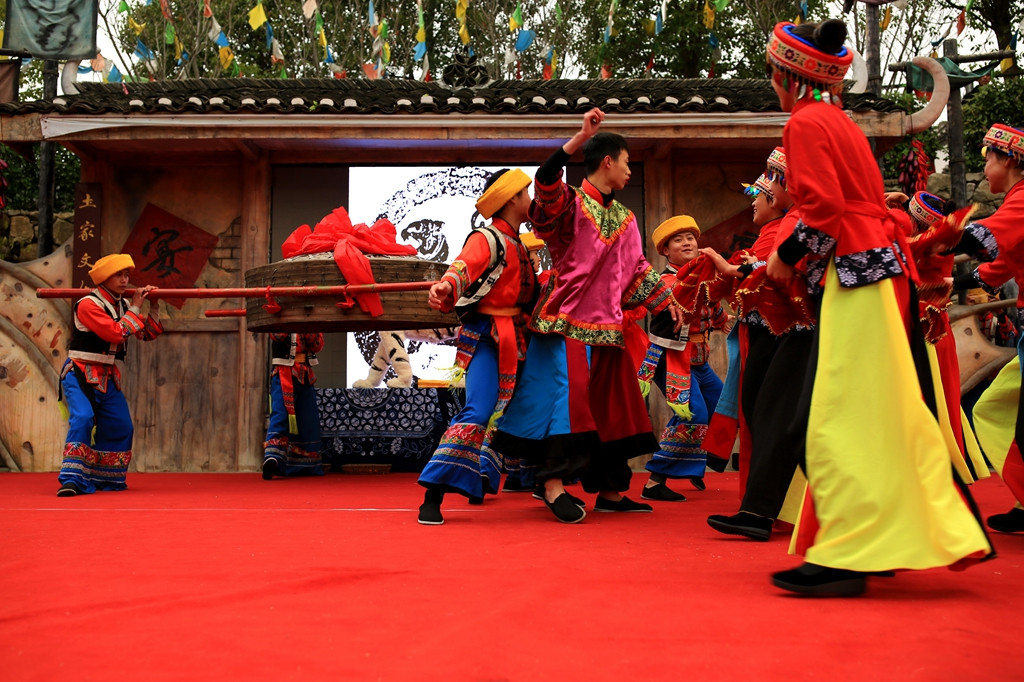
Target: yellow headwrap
503, 189
110, 265
672, 227
531, 241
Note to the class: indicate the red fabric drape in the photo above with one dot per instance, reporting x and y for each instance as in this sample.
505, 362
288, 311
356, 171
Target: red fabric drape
350, 244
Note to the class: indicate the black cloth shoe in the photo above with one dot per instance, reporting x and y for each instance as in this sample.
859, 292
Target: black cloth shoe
662, 493
269, 468
565, 510
1010, 522
744, 523
821, 581
69, 490
538, 494
623, 505
717, 464
430, 514
698, 482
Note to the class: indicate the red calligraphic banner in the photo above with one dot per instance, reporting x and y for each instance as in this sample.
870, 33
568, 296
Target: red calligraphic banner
168, 251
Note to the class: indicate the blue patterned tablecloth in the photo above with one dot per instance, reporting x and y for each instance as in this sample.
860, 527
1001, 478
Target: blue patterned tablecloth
396, 426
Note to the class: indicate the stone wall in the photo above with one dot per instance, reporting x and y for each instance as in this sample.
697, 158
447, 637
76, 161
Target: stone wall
19, 234
977, 191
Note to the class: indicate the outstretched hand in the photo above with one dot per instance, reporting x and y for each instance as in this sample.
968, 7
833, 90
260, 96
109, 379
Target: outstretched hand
592, 120
140, 295
440, 296
722, 265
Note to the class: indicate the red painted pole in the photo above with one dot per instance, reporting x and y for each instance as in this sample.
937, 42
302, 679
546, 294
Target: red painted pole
341, 290
225, 313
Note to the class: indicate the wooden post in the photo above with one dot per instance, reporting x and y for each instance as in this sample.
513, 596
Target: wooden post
252, 355
955, 126
46, 169
873, 57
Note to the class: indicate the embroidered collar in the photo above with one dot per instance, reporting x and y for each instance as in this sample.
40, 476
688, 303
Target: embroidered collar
596, 194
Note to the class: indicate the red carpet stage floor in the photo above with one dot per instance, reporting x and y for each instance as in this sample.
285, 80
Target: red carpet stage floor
229, 577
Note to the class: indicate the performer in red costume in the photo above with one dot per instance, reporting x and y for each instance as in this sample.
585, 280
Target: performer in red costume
99, 441
998, 240
883, 492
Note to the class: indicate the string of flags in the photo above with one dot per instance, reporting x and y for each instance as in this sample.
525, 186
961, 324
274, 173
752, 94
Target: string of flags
523, 38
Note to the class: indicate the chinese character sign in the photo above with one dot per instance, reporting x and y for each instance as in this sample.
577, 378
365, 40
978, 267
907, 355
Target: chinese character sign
85, 248
52, 29
168, 251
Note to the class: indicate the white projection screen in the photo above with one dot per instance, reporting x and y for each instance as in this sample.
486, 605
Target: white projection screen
432, 208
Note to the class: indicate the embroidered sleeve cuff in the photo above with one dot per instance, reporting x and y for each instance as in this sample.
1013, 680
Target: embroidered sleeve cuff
816, 241
458, 277
978, 242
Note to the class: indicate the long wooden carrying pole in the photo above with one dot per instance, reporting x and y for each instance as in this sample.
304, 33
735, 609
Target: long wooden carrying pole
342, 290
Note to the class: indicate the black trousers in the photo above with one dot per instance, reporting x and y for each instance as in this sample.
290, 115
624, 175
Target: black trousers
775, 405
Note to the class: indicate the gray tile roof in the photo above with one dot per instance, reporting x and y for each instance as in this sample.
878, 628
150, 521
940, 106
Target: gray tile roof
344, 97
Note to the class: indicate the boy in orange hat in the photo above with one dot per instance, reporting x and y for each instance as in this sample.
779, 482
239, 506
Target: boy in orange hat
678, 363
493, 303
98, 448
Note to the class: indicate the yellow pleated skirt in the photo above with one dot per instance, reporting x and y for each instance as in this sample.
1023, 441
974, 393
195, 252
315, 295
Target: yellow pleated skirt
995, 414
877, 463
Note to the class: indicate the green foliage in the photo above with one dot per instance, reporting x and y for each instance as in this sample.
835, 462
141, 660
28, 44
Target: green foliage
574, 29
23, 180
999, 101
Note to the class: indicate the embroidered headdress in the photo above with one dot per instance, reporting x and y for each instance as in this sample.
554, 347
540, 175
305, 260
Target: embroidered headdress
1005, 139
776, 166
925, 209
762, 184
807, 64
110, 265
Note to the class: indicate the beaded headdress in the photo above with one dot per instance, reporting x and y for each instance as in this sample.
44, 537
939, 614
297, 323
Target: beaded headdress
922, 209
800, 60
762, 184
1005, 139
776, 167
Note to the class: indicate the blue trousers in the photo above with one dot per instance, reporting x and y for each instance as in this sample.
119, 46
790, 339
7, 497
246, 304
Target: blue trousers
98, 447
297, 454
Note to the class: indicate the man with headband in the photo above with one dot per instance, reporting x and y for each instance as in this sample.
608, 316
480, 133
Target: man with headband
98, 448
491, 285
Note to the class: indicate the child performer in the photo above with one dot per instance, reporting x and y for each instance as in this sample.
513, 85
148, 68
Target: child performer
884, 495
678, 364
578, 410
491, 343
292, 447
999, 241
98, 448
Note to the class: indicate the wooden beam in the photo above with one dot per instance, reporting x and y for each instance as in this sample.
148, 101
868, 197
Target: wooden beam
250, 150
